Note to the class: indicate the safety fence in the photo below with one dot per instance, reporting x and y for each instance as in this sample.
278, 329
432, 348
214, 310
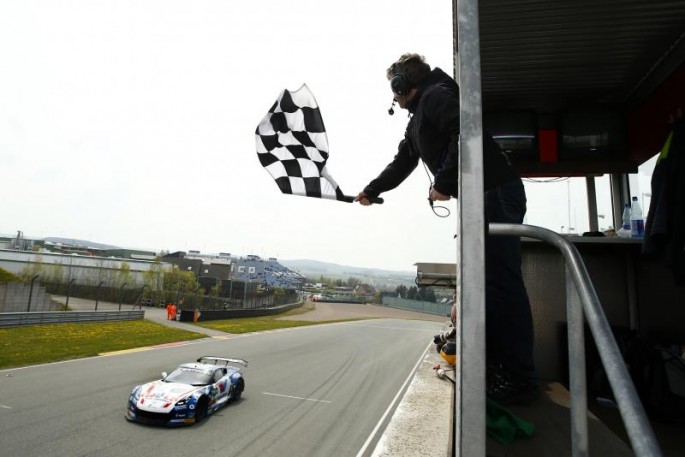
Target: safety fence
141, 297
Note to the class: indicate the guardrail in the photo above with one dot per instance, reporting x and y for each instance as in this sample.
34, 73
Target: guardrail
188, 315
583, 304
437, 309
59, 317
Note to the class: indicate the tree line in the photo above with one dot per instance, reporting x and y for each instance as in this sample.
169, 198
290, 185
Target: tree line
416, 293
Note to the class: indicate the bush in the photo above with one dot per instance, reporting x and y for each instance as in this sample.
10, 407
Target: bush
6, 276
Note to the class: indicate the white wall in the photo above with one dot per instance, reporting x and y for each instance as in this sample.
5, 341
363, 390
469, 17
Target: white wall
83, 269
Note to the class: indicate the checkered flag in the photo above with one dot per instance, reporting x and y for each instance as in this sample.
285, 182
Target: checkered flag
292, 146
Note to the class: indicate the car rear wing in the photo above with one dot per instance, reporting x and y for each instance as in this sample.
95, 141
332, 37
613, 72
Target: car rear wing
217, 360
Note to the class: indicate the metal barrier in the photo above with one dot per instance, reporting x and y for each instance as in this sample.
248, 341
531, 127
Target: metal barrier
58, 317
581, 299
188, 315
438, 309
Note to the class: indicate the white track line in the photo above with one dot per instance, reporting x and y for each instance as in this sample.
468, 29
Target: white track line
392, 404
298, 398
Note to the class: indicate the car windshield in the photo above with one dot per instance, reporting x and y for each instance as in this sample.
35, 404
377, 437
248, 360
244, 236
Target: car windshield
188, 375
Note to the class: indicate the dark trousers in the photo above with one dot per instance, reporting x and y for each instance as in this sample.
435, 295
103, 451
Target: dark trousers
509, 322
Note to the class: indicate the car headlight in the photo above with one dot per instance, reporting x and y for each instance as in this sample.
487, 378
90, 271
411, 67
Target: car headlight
182, 402
135, 395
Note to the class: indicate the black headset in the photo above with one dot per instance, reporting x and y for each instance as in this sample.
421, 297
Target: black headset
399, 84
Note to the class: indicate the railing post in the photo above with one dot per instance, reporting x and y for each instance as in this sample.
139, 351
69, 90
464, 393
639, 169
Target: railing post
121, 294
97, 295
66, 304
576, 365
33, 279
635, 420
140, 300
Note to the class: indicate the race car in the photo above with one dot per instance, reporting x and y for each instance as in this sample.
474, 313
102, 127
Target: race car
188, 394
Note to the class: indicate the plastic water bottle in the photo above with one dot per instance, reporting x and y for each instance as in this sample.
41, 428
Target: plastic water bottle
637, 223
624, 231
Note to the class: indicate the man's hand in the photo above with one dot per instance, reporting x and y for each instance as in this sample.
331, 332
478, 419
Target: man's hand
361, 198
437, 196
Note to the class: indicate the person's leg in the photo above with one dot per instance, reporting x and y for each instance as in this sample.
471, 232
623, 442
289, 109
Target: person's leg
511, 329
509, 323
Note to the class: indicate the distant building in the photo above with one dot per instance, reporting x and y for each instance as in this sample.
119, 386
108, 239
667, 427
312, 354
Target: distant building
82, 269
210, 269
73, 246
364, 291
70, 255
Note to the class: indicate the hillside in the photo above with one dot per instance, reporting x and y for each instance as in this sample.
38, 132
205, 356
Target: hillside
75, 242
314, 269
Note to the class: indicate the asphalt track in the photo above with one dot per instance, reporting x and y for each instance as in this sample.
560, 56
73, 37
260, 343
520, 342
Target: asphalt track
310, 391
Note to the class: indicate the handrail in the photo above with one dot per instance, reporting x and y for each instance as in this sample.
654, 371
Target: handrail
637, 426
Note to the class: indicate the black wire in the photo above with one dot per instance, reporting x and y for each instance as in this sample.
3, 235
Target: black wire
444, 374
434, 207
430, 202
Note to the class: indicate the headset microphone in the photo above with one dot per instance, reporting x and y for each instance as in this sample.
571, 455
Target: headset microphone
391, 111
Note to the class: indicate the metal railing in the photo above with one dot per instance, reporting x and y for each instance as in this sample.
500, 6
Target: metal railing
582, 301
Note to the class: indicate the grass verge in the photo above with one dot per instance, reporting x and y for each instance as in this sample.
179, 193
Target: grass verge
20, 346
260, 324
257, 324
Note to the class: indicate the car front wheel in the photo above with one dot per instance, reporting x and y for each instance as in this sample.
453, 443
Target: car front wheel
238, 390
201, 411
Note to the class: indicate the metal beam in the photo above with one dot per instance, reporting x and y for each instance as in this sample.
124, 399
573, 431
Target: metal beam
469, 409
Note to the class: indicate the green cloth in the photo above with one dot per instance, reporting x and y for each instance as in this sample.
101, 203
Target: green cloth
503, 425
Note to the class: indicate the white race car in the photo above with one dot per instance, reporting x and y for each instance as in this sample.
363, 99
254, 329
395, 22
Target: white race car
189, 393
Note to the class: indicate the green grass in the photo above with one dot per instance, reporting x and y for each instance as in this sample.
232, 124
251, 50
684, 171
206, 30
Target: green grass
6, 276
260, 324
255, 324
20, 346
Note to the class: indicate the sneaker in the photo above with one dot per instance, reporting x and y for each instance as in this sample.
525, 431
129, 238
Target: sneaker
503, 389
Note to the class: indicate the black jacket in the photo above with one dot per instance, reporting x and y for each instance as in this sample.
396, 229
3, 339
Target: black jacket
665, 226
433, 135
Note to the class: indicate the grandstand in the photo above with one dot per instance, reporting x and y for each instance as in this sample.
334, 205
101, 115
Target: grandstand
273, 274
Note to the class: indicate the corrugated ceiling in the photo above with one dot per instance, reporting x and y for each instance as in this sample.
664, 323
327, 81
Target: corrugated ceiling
549, 55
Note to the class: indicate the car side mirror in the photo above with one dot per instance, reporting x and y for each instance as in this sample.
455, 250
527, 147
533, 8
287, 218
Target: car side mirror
164, 374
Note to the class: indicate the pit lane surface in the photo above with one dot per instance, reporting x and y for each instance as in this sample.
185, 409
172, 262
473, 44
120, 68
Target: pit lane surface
310, 391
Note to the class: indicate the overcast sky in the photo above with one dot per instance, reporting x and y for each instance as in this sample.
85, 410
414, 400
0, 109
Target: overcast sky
132, 123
